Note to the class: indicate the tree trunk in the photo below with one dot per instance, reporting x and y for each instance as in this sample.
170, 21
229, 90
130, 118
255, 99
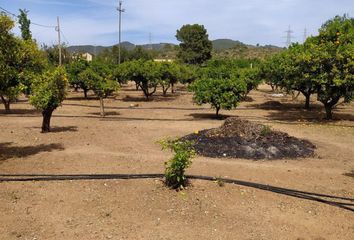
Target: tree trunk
307, 103
164, 90
102, 106
85, 92
217, 112
329, 115
136, 86
47, 114
172, 88
6, 104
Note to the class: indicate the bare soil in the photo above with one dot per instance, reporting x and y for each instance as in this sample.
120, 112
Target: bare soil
125, 142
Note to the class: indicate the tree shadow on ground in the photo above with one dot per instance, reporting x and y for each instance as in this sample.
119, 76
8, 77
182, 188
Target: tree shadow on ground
137, 107
154, 98
8, 150
211, 116
20, 111
351, 174
60, 129
294, 112
106, 113
276, 105
314, 116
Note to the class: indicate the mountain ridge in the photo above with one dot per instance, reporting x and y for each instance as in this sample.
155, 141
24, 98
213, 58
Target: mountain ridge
218, 45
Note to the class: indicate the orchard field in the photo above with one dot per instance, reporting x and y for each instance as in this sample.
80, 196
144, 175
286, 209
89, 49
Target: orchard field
81, 142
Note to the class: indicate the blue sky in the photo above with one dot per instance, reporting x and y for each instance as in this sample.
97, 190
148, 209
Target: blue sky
250, 21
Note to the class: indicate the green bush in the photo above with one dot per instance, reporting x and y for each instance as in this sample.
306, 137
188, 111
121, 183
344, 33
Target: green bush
219, 93
175, 167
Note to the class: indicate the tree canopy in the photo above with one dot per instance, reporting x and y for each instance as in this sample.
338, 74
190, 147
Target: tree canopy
49, 91
24, 25
20, 61
324, 64
195, 47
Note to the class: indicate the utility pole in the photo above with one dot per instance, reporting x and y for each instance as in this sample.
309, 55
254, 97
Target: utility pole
305, 34
289, 37
59, 42
120, 10
150, 41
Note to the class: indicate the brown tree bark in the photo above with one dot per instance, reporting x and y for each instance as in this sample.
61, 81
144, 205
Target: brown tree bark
6, 104
102, 107
47, 114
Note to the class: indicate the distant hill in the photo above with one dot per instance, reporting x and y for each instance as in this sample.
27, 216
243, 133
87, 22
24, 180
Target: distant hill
127, 45
223, 44
248, 51
223, 48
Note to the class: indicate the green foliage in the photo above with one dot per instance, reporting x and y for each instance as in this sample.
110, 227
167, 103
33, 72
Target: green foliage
146, 74
111, 56
20, 62
266, 131
24, 25
74, 69
188, 74
224, 83
251, 77
221, 93
49, 89
177, 165
52, 54
195, 47
170, 74
101, 85
324, 64
334, 48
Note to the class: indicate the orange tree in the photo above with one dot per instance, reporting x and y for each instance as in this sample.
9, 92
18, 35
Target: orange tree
334, 62
48, 92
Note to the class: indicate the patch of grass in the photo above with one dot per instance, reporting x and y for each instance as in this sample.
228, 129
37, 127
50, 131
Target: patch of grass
266, 131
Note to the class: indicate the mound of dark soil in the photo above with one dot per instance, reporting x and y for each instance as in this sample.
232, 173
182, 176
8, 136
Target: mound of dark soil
238, 138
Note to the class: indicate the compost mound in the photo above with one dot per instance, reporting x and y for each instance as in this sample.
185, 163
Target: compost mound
238, 138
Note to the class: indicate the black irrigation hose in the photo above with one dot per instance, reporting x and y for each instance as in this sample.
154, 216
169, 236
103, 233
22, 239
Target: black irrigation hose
283, 191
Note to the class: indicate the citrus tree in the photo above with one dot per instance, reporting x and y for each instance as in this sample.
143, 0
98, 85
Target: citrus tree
48, 92
220, 93
74, 68
170, 74
101, 85
334, 49
146, 75
20, 62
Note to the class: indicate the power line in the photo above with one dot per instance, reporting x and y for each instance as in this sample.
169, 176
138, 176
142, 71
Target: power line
34, 23
66, 40
10, 13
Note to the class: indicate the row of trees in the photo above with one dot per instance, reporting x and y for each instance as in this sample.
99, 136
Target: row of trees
323, 65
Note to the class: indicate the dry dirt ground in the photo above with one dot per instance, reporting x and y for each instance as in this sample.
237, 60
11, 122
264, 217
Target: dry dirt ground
125, 142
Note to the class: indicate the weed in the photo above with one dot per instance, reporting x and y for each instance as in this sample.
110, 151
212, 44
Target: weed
266, 130
175, 167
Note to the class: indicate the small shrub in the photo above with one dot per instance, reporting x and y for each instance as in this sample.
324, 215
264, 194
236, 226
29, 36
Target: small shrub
266, 130
175, 167
220, 182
